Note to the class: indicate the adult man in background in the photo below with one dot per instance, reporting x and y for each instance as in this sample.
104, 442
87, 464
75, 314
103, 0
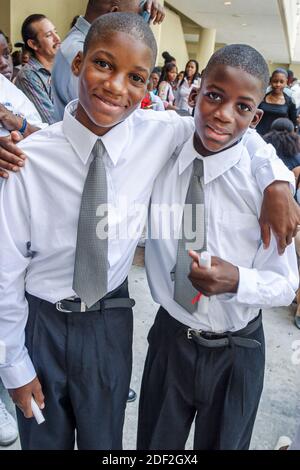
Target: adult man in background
34, 79
64, 83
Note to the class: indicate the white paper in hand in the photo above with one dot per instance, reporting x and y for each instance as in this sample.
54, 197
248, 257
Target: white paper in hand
37, 412
205, 262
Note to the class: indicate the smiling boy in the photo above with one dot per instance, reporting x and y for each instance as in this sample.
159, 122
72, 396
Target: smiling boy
76, 355
204, 363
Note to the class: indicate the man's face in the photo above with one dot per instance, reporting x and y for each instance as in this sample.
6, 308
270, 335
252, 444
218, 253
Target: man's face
226, 107
6, 65
113, 78
47, 41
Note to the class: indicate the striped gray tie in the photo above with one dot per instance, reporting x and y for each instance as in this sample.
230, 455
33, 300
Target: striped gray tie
193, 237
91, 258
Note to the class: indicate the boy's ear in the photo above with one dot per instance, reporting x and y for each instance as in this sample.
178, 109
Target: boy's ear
256, 118
77, 64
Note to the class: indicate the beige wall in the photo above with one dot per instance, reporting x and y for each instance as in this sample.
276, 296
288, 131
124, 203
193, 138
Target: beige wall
5, 16
296, 69
275, 66
60, 12
172, 40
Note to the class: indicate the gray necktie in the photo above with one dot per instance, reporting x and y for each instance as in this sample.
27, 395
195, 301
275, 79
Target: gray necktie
192, 237
91, 258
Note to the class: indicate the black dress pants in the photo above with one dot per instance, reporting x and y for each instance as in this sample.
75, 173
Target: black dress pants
183, 381
83, 361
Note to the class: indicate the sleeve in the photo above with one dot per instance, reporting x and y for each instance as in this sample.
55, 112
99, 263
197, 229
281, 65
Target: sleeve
33, 88
183, 128
266, 166
293, 112
272, 282
17, 369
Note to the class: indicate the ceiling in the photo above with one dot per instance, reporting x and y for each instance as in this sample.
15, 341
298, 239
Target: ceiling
255, 22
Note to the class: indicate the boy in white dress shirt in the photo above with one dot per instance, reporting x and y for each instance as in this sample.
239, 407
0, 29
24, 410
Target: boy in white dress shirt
207, 362
73, 357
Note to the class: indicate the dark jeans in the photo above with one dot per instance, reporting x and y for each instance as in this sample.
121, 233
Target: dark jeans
220, 388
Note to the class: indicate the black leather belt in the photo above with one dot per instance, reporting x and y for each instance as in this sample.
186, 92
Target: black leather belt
215, 340
75, 305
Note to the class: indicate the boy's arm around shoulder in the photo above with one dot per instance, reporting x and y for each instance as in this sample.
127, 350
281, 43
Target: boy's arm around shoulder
183, 128
279, 214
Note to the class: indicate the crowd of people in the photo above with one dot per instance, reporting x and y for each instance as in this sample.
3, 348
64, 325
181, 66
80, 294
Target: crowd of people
85, 125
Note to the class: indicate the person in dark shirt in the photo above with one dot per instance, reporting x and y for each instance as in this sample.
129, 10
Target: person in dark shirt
276, 103
286, 142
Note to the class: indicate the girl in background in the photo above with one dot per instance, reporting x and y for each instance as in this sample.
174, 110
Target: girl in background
165, 87
277, 104
191, 79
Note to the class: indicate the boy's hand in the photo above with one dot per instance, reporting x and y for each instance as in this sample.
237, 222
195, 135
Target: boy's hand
11, 156
22, 397
221, 278
157, 12
281, 213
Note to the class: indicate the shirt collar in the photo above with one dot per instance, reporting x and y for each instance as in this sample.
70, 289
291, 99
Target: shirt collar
214, 165
83, 140
82, 25
36, 64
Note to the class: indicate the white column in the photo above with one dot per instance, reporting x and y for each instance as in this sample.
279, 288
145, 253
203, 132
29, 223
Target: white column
206, 46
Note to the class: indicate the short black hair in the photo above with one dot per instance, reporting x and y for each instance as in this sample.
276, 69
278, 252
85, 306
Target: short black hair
280, 70
129, 23
28, 31
243, 57
282, 124
283, 138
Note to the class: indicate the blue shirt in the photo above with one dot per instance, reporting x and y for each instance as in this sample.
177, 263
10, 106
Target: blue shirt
64, 83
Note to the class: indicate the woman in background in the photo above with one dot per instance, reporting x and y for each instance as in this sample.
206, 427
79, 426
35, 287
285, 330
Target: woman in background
165, 87
276, 103
191, 79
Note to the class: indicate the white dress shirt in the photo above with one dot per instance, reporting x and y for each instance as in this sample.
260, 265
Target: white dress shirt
39, 211
232, 202
183, 92
16, 102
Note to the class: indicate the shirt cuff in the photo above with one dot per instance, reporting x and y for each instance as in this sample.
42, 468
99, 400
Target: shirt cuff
247, 290
274, 170
18, 375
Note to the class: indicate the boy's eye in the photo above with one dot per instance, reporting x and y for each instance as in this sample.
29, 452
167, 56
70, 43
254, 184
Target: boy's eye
137, 78
244, 107
213, 96
102, 63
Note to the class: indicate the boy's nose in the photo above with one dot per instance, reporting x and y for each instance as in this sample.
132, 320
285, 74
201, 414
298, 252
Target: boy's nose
116, 85
224, 113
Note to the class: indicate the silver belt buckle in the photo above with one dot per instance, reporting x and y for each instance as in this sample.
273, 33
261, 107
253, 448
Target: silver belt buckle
190, 332
83, 307
60, 309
